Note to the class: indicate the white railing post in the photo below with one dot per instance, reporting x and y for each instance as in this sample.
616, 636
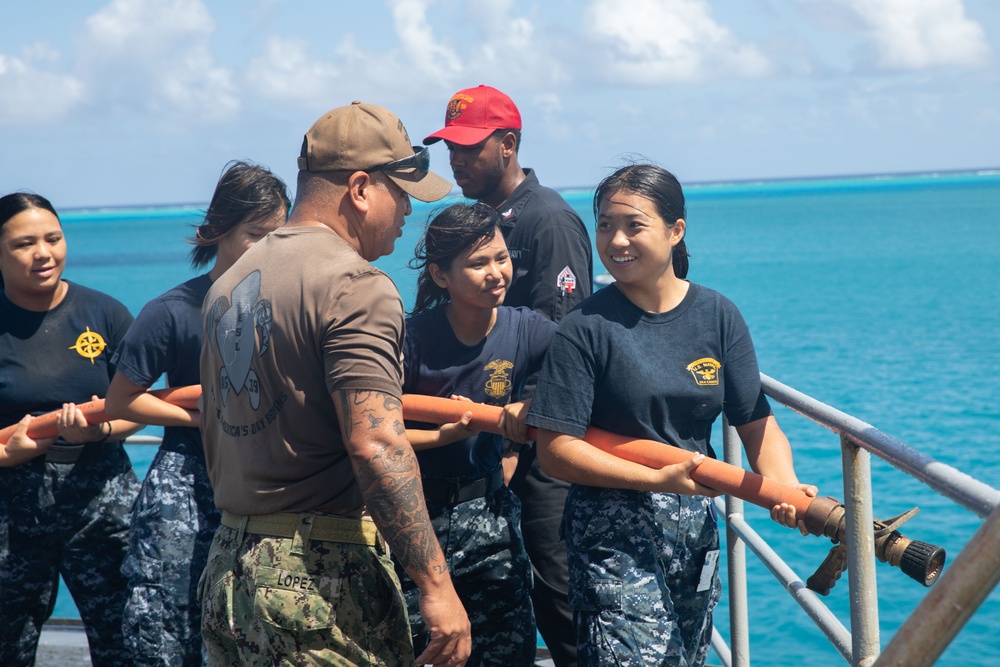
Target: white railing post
860, 552
736, 559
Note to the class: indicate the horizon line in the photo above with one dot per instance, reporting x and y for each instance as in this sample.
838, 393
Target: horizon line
720, 182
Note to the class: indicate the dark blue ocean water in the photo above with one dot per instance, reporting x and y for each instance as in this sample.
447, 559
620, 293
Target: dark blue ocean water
878, 296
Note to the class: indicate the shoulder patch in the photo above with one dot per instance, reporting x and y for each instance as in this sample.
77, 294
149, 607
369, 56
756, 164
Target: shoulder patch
566, 281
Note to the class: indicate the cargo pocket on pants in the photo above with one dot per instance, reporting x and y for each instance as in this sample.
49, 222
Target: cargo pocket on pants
296, 601
142, 620
597, 595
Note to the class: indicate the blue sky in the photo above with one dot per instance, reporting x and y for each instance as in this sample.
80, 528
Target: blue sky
125, 102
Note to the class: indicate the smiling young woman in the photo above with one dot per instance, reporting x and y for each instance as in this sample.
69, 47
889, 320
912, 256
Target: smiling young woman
651, 356
461, 341
64, 502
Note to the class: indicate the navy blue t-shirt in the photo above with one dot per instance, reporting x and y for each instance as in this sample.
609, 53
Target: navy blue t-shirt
58, 356
436, 363
663, 376
166, 338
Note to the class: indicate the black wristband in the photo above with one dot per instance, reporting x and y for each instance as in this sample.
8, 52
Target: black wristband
516, 447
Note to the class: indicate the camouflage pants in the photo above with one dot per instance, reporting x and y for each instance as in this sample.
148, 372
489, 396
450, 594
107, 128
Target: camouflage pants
69, 519
294, 601
491, 572
635, 564
173, 522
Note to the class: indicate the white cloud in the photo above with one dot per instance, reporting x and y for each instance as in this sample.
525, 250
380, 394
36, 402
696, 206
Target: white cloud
286, 72
652, 42
155, 55
491, 44
31, 95
918, 34
417, 43
506, 48
289, 72
482, 42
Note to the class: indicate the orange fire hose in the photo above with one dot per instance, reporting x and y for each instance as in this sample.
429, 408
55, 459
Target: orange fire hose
822, 516
44, 426
712, 473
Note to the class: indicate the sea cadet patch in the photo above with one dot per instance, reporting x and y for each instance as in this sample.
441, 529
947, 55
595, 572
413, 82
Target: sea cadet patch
498, 384
566, 281
89, 345
705, 371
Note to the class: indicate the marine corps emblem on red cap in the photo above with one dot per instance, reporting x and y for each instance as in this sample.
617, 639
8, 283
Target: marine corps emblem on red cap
455, 108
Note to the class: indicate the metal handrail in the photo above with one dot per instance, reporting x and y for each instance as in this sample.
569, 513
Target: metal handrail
931, 627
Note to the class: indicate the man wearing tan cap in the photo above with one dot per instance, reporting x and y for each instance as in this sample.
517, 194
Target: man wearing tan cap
553, 271
306, 450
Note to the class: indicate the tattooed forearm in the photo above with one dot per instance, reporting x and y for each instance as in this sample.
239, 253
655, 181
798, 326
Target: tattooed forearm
390, 484
388, 476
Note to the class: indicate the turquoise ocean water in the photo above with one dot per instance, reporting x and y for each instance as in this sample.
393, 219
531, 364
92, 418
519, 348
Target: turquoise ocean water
876, 295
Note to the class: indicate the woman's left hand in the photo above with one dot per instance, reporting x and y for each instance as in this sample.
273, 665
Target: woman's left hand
20, 447
785, 514
512, 425
74, 428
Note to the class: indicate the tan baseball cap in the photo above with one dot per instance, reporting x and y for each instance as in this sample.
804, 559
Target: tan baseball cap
366, 137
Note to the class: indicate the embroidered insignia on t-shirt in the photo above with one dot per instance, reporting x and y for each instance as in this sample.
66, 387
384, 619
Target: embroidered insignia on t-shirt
89, 345
705, 371
498, 384
508, 214
566, 281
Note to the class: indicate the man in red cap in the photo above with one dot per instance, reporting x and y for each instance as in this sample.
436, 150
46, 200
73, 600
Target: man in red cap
553, 271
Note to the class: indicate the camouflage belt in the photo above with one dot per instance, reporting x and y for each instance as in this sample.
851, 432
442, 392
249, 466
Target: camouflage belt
324, 528
452, 492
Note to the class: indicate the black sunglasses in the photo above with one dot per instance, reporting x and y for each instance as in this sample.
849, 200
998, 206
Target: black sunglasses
420, 160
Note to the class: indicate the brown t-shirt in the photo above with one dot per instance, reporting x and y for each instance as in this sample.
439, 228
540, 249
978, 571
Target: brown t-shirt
299, 316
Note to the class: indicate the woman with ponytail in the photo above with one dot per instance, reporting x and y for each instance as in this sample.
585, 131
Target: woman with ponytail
175, 517
461, 342
657, 357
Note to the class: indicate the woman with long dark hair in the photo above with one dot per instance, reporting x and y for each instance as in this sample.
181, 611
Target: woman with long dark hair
462, 342
64, 503
175, 517
657, 357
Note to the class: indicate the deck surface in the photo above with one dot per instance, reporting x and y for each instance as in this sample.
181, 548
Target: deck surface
65, 645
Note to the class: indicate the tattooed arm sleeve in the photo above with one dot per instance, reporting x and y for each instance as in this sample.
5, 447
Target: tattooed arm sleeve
389, 478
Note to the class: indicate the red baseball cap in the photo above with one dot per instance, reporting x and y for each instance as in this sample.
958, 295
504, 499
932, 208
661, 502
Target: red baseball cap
474, 114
